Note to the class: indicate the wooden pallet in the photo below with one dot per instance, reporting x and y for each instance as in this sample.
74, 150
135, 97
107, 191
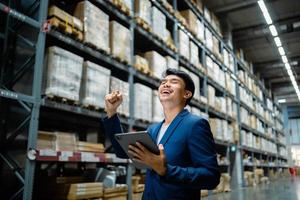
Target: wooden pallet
171, 46
91, 107
65, 27
93, 46
143, 68
121, 6
142, 23
121, 60
63, 100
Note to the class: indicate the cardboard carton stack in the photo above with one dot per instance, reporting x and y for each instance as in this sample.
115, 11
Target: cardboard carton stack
157, 63
200, 30
191, 20
171, 62
63, 74
123, 87
46, 140
94, 76
158, 114
159, 23
137, 188
258, 174
211, 95
120, 41
65, 141
90, 147
249, 178
143, 10
216, 126
95, 25
117, 193
183, 40
196, 80
85, 190
143, 102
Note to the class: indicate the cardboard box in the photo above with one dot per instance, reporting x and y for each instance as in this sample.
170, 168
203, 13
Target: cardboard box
46, 140
123, 87
211, 95
120, 41
157, 63
159, 23
183, 40
200, 30
65, 141
143, 10
196, 81
208, 39
63, 74
93, 76
95, 25
194, 54
158, 114
142, 102
171, 62
191, 20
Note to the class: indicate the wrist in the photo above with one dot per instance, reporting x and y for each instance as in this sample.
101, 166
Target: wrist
110, 113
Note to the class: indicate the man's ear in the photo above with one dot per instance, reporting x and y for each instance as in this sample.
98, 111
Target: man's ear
187, 94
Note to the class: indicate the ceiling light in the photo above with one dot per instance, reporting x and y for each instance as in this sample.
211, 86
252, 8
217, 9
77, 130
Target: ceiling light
289, 71
287, 66
265, 12
273, 30
281, 51
281, 100
284, 59
277, 41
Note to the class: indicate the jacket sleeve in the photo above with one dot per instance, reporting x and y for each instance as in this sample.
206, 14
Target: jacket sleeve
204, 173
112, 126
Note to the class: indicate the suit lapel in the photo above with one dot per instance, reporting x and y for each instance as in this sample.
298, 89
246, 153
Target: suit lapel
173, 126
155, 131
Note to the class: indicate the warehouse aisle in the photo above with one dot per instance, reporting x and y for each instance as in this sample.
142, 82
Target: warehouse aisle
282, 189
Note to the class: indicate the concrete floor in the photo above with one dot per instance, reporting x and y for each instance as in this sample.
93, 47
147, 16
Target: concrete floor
282, 189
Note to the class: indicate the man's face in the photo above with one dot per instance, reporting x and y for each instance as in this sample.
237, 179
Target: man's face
172, 89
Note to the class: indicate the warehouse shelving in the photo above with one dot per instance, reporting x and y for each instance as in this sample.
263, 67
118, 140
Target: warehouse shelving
86, 51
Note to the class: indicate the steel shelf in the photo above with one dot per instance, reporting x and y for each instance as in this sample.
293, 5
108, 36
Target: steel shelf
244, 126
216, 85
154, 39
222, 142
69, 156
258, 151
116, 12
219, 114
198, 104
163, 10
88, 50
190, 66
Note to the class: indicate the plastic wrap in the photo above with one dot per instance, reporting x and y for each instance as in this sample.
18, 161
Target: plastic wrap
123, 87
143, 10
142, 102
157, 63
95, 23
64, 71
191, 20
183, 40
200, 30
211, 95
194, 55
95, 84
159, 23
158, 114
196, 81
171, 62
120, 41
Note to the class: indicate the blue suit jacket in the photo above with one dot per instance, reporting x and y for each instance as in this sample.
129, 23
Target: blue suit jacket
191, 158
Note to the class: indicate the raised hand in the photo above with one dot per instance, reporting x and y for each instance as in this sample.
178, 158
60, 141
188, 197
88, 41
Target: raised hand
112, 102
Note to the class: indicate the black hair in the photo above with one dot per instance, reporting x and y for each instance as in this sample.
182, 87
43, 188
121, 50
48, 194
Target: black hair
189, 83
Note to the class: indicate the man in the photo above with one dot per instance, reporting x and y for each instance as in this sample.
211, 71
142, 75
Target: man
187, 160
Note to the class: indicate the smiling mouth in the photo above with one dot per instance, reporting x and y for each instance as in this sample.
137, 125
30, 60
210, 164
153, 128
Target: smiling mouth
167, 92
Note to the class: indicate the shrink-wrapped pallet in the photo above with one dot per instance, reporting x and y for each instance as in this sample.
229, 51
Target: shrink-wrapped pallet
142, 102
211, 95
171, 62
210, 66
120, 41
208, 39
191, 20
123, 87
159, 23
157, 63
93, 77
196, 81
200, 30
63, 74
95, 23
158, 114
183, 40
143, 10
194, 54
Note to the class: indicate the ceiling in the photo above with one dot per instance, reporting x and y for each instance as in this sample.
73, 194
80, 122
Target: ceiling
244, 20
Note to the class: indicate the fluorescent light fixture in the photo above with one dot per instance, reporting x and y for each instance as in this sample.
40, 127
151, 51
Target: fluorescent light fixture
289, 71
281, 100
287, 66
281, 51
277, 41
265, 12
273, 30
284, 59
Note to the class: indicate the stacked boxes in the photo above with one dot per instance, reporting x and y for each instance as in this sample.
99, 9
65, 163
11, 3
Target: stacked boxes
96, 25
191, 20
157, 63
194, 54
46, 140
85, 190
200, 30
209, 66
123, 87
158, 114
196, 80
216, 128
143, 102
159, 23
183, 40
209, 39
211, 95
93, 77
56, 141
171, 62
143, 10
120, 41
64, 71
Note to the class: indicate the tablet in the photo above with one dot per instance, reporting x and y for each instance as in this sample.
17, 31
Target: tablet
125, 139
